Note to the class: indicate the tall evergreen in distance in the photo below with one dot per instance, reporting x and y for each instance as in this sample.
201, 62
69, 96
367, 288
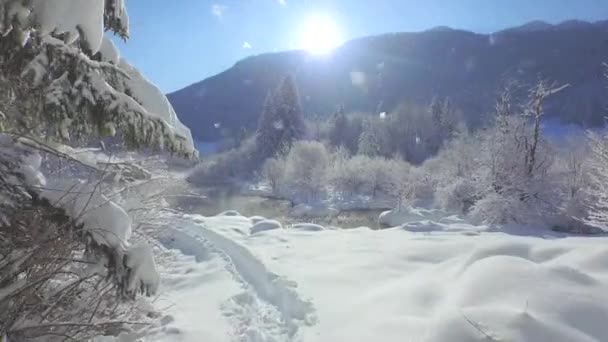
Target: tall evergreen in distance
338, 132
281, 122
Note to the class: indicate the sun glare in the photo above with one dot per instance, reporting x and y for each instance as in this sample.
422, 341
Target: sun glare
320, 35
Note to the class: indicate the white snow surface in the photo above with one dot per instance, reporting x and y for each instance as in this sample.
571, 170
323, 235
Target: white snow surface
397, 217
109, 51
448, 281
66, 16
140, 259
107, 222
265, 225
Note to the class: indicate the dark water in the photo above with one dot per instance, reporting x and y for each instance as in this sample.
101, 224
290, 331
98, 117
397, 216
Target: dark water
218, 198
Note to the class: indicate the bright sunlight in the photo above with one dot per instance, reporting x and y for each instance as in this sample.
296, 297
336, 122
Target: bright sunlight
320, 34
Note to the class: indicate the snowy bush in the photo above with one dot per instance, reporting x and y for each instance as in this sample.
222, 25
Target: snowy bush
236, 163
306, 169
402, 182
273, 172
495, 208
458, 196
596, 202
350, 176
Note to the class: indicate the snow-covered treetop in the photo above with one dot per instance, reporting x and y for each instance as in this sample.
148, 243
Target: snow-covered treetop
86, 87
73, 19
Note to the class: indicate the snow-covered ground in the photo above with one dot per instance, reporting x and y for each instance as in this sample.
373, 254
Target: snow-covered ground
428, 280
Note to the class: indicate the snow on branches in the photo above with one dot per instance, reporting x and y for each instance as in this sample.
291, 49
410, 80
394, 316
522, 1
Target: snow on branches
67, 81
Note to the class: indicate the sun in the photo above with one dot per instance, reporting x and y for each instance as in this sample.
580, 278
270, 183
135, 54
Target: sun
320, 34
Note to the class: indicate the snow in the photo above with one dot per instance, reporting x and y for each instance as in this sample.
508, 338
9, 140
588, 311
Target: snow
229, 213
265, 225
311, 227
256, 219
74, 19
109, 52
155, 102
30, 168
397, 217
437, 284
106, 221
67, 16
140, 259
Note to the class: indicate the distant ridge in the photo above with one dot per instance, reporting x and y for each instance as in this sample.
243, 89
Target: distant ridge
381, 72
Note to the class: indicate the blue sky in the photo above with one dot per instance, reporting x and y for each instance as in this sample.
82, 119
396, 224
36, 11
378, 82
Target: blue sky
179, 42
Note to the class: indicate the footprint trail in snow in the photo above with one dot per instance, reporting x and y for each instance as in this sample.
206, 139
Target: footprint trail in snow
268, 308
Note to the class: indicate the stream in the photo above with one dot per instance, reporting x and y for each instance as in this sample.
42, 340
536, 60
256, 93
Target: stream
217, 198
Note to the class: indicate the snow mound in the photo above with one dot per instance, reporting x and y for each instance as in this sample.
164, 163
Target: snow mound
397, 217
503, 292
305, 210
266, 225
107, 222
229, 213
176, 239
311, 227
427, 226
256, 219
423, 226
140, 259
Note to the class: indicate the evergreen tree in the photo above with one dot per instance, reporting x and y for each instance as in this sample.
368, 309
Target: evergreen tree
373, 139
61, 82
445, 123
338, 131
281, 122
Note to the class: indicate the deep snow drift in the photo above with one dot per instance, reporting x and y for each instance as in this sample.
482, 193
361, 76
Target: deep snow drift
434, 281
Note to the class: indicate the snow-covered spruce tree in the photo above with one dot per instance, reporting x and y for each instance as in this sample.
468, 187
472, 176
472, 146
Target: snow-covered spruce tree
64, 250
281, 122
446, 123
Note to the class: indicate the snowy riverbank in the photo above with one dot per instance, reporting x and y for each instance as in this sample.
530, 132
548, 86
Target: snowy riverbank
462, 283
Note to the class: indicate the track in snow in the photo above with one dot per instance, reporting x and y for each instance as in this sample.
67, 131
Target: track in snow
269, 309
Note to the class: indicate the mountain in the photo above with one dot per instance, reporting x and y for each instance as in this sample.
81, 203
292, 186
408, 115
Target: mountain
380, 72
537, 25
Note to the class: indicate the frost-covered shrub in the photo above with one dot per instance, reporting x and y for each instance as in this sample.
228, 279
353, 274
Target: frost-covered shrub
402, 182
236, 163
306, 168
495, 208
596, 192
273, 172
458, 196
351, 176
